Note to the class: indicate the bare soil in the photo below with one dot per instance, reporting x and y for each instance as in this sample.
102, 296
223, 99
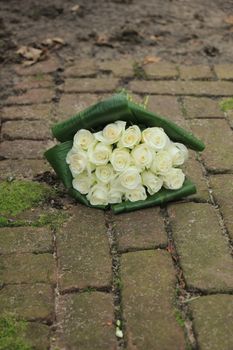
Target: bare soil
182, 31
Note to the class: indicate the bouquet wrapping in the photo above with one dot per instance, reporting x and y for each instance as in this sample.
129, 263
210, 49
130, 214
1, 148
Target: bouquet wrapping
116, 153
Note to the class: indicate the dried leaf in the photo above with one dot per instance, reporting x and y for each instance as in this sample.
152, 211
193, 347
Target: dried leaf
102, 39
31, 54
58, 40
53, 41
151, 59
229, 19
75, 8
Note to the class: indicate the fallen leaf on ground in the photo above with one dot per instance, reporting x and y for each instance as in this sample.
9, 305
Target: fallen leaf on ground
75, 8
31, 54
151, 59
102, 39
53, 41
229, 19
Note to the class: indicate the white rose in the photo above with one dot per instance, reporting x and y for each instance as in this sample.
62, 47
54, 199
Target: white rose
155, 138
78, 162
130, 178
174, 179
142, 156
152, 182
162, 163
111, 133
83, 139
105, 173
130, 137
114, 196
178, 153
120, 159
136, 194
83, 182
99, 153
98, 194
69, 154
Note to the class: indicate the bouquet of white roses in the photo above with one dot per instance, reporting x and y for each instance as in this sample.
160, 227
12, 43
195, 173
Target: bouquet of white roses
117, 153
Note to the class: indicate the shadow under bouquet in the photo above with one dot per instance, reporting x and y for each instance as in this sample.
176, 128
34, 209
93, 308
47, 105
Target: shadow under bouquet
117, 154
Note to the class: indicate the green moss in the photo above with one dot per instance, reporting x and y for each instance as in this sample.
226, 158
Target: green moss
179, 318
12, 333
39, 76
226, 105
17, 196
139, 72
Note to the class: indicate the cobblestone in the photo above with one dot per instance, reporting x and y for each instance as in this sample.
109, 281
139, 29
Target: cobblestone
24, 149
91, 85
83, 68
23, 168
25, 240
86, 322
195, 72
45, 67
213, 321
37, 335
224, 71
204, 252
140, 230
31, 130
32, 96
83, 251
202, 108
119, 68
147, 295
37, 112
33, 82
161, 71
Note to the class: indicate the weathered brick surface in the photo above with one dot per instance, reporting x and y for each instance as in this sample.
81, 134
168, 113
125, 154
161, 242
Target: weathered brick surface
32, 96
224, 71
32, 130
83, 68
204, 253
37, 335
202, 107
119, 68
213, 321
39, 111
48, 66
33, 82
167, 106
218, 153
27, 268
25, 240
230, 118
83, 251
195, 72
23, 168
193, 170
161, 70
70, 104
222, 186
85, 321
91, 85
204, 88
24, 149
148, 280
140, 230
32, 302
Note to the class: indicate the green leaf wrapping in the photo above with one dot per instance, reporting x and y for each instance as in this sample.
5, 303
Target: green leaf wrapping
96, 117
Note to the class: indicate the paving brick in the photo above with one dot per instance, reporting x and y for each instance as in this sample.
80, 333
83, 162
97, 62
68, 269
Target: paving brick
195, 72
202, 107
147, 295
48, 66
120, 68
217, 155
91, 85
83, 68
85, 321
213, 321
222, 186
71, 104
37, 336
224, 71
33, 82
161, 70
83, 250
27, 268
29, 301
24, 149
199, 88
31, 130
193, 170
167, 106
25, 240
32, 96
23, 168
230, 118
143, 229
40, 111
204, 253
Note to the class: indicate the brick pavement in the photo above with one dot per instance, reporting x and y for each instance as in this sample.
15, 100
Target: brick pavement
164, 275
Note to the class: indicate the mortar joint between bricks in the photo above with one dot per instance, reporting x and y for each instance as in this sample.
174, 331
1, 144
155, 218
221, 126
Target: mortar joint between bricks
182, 294
116, 278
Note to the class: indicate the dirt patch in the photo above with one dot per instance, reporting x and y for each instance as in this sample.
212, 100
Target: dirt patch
180, 31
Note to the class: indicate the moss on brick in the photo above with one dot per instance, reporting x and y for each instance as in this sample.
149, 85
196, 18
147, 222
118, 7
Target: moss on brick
17, 196
227, 104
